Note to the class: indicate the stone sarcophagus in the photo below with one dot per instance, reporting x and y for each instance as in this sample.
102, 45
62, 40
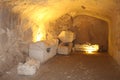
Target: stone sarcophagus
43, 50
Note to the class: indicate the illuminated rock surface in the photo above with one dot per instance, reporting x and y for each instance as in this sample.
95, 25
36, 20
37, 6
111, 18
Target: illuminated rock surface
66, 36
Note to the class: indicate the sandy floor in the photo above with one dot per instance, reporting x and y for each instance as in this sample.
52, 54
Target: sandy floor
75, 66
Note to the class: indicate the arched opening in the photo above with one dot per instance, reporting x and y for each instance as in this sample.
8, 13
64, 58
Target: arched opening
87, 29
92, 30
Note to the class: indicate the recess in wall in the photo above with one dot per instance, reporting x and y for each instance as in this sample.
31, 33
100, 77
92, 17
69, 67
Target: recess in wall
83, 7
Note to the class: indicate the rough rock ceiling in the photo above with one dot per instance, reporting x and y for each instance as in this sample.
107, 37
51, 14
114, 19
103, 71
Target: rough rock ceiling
98, 8
38, 13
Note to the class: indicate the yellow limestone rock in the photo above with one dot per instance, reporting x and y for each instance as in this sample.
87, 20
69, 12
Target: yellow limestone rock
66, 36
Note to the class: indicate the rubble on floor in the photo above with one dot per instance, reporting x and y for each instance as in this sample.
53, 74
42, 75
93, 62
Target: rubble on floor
29, 67
65, 48
66, 44
39, 52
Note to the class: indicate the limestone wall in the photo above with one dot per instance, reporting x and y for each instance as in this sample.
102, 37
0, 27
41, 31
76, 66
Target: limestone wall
114, 46
10, 37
